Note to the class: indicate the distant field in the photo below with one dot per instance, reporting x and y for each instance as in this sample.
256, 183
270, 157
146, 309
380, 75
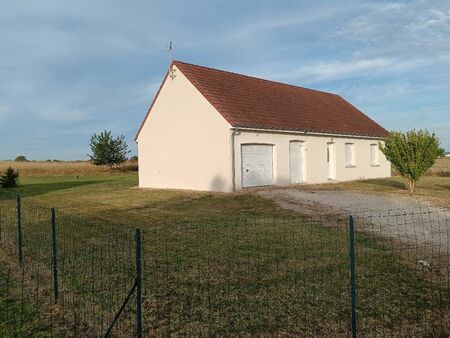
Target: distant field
61, 168
441, 167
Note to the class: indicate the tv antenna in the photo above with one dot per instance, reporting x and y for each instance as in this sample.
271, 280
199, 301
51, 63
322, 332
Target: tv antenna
169, 54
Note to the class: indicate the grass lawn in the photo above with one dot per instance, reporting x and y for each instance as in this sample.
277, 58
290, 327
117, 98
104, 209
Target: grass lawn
225, 264
115, 198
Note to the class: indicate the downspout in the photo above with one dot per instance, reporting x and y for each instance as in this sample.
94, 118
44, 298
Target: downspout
233, 160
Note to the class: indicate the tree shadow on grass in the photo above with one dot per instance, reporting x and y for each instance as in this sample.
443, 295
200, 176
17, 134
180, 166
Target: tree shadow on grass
35, 189
391, 183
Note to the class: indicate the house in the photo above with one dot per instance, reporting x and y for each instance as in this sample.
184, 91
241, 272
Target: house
214, 130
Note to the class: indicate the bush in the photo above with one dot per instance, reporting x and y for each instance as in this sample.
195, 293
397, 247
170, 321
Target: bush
107, 150
21, 158
412, 153
10, 178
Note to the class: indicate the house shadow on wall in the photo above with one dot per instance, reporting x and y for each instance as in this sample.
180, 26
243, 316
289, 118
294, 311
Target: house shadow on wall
218, 184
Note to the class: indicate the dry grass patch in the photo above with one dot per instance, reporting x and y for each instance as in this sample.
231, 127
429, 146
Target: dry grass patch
441, 167
64, 168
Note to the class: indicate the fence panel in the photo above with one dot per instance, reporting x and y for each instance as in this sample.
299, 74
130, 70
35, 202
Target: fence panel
253, 276
95, 272
8, 227
96, 269
256, 277
404, 289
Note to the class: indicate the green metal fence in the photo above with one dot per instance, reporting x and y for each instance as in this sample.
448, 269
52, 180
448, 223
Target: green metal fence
366, 273
75, 273
405, 288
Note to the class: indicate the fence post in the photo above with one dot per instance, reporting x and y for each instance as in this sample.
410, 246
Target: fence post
54, 257
138, 284
352, 273
19, 228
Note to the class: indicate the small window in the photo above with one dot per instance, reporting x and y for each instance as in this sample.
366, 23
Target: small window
374, 155
349, 155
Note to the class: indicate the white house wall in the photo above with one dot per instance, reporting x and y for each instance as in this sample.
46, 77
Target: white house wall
316, 157
185, 142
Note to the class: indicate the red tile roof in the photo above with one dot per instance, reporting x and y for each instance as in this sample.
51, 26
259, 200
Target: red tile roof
246, 101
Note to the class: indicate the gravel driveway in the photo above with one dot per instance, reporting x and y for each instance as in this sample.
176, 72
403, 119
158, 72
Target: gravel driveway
401, 218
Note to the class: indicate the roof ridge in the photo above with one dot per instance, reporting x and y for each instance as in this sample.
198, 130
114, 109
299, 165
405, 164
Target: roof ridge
174, 62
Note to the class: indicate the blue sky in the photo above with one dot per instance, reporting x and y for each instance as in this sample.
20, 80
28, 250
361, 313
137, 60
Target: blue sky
72, 68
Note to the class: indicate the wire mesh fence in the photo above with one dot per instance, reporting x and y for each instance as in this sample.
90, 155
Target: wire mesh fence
272, 277
252, 276
20, 317
80, 287
95, 271
406, 287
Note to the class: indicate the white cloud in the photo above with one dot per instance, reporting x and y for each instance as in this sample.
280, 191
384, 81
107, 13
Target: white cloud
378, 92
261, 26
413, 27
334, 70
64, 116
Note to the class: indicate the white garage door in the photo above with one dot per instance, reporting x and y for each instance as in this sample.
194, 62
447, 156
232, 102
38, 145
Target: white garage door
256, 165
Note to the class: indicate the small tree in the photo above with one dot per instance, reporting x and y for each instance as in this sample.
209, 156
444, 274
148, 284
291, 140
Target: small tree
9, 179
107, 150
411, 153
21, 158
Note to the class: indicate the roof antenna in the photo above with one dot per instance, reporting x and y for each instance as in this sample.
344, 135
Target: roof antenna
169, 54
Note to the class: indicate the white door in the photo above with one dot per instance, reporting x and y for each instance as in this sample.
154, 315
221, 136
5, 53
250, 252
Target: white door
256, 165
296, 157
330, 160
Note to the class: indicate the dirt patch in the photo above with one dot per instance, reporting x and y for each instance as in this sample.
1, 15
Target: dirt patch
406, 219
341, 201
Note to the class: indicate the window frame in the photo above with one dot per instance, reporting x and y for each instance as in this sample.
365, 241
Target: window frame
375, 159
352, 162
